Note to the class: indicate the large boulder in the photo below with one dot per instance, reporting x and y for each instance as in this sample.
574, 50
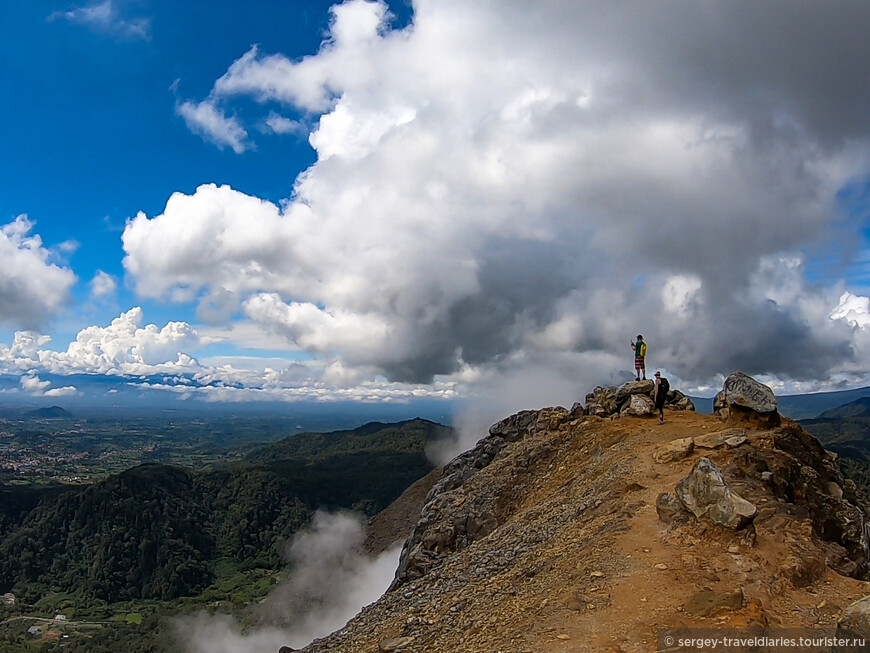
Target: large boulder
626, 390
638, 406
743, 390
676, 400
743, 399
705, 494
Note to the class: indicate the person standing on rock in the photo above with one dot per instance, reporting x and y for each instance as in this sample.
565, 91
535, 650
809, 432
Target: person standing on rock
639, 348
660, 394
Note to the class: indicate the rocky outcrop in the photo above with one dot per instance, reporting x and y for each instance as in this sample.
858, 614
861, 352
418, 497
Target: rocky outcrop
633, 398
626, 390
451, 519
745, 400
561, 531
706, 495
801, 471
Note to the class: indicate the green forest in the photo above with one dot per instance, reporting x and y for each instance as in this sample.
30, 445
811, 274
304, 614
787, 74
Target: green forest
159, 534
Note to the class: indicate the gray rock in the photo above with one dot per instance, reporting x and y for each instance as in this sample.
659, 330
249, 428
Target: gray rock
727, 438
638, 406
856, 617
743, 390
674, 450
577, 410
595, 409
626, 390
705, 494
676, 400
603, 397
516, 426
670, 510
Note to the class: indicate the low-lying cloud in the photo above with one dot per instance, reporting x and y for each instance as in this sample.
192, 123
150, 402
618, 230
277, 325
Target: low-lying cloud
330, 580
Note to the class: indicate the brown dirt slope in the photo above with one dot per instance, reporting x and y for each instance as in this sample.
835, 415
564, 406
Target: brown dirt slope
555, 545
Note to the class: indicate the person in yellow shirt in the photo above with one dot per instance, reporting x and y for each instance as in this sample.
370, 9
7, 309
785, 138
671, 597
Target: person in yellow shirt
639, 348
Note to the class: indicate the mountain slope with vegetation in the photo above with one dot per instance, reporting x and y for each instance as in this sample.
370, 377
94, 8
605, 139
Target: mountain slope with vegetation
845, 430
160, 532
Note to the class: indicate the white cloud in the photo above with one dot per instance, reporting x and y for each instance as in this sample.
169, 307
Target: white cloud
679, 292
493, 188
105, 17
31, 288
213, 125
31, 384
281, 125
125, 347
853, 309
103, 284
122, 347
330, 582
359, 337
65, 391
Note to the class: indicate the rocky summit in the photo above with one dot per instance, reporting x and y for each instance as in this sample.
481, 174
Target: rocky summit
591, 528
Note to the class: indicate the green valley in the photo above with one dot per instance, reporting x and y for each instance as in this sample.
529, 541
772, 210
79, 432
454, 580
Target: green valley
94, 566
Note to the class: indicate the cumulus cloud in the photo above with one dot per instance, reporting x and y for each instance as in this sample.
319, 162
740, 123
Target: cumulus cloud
330, 581
103, 284
32, 385
106, 18
493, 187
124, 346
31, 287
211, 123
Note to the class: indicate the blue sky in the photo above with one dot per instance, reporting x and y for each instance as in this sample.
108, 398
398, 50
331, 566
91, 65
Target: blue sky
91, 132
372, 201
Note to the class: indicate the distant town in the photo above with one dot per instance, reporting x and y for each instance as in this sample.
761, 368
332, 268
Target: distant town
82, 450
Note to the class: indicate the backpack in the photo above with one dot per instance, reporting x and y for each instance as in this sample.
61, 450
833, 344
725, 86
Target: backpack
664, 387
642, 351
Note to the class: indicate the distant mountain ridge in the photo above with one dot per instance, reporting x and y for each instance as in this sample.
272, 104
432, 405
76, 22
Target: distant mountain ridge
810, 405
858, 408
845, 430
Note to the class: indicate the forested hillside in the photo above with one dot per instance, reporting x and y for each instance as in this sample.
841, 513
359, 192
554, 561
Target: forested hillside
845, 430
158, 532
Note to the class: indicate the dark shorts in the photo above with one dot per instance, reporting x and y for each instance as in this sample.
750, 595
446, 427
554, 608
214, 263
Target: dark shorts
638, 363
